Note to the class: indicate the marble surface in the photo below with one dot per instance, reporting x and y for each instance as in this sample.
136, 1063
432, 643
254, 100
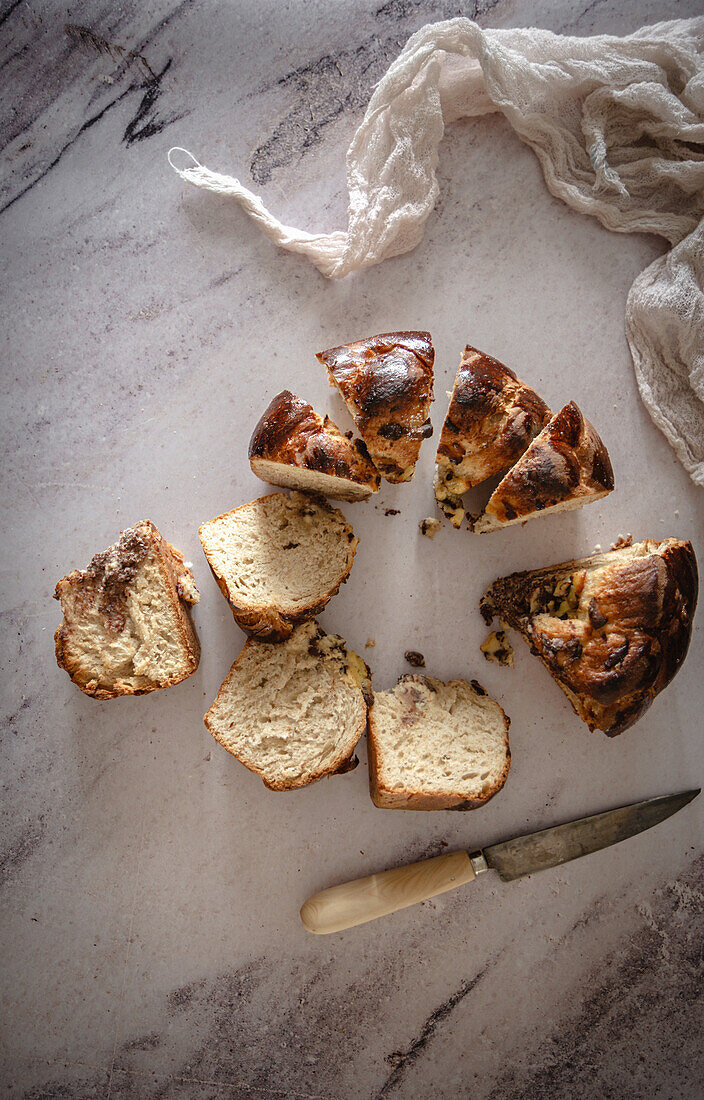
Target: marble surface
150, 885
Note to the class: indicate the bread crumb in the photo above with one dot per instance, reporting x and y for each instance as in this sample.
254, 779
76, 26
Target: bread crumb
677, 511
622, 541
597, 547
392, 511
430, 526
414, 658
497, 648
370, 643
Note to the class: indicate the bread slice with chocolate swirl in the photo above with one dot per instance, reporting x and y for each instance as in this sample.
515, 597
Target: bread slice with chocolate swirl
127, 628
386, 381
612, 629
294, 447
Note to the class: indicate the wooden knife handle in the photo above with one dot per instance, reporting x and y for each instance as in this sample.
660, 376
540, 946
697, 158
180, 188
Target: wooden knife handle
365, 899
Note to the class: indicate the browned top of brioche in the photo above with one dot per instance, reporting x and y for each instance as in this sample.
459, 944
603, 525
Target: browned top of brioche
565, 461
618, 631
387, 384
492, 418
291, 431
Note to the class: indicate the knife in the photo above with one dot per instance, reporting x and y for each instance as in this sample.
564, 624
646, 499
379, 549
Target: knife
378, 895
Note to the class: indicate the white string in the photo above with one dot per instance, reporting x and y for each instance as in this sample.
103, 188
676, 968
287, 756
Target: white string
324, 250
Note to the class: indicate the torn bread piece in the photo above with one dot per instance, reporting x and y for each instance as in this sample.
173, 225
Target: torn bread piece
386, 382
126, 628
498, 649
293, 711
612, 629
565, 467
429, 526
294, 447
492, 419
279, 559
436, 746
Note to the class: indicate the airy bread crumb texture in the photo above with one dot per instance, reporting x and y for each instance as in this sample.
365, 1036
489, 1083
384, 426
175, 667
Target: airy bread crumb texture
293, 711
436, 745
279, 559
126, 627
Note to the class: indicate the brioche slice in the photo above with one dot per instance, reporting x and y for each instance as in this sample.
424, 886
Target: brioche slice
612, 629
386, 382
436, 746
278, 560
492, 419
126, 628
294, 447
565, 467
294, 711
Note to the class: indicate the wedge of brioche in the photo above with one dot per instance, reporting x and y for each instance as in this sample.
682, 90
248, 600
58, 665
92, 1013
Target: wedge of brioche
492, 418
294, 447
386, 382
278, 560
612, 629
436, 746
126, 628
294, 711
565, 467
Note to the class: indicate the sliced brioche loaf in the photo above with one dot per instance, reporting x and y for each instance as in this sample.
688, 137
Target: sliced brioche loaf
492, 418
436, 746
279, 559
386, 382
294, 711
127, 628
565, 467
294, 447
612, 628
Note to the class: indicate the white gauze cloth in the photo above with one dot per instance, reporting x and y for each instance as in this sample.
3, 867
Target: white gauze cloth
618, 127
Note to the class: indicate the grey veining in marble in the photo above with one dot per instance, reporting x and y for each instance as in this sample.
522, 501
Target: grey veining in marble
150, 885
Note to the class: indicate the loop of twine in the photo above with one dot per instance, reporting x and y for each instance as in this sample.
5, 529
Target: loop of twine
180, 149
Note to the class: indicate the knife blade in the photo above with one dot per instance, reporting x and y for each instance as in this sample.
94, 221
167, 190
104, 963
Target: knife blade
365, 899
524, 855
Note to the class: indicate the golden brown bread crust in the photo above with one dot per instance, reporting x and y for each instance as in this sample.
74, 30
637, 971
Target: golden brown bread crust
106, 579
386, 799
291, 432
347, 765
566, 462
492, 418
269, 624
386, 382
265, 621
618, 631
